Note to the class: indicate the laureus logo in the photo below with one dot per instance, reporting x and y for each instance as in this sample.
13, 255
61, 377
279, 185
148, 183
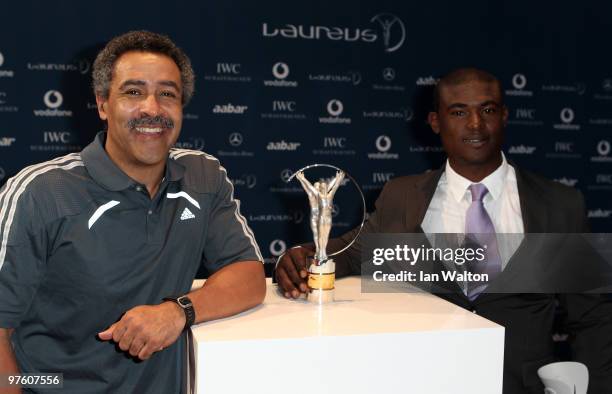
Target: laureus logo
393, 29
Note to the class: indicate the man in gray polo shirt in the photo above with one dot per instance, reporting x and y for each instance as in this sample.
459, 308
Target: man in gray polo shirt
93, 242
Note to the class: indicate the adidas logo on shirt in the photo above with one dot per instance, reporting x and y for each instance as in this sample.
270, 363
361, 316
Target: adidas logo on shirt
187, 214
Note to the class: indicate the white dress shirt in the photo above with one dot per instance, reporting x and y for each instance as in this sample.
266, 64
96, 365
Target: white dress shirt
452, 198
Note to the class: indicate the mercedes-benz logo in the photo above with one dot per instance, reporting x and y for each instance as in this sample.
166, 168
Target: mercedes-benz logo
280, 70
235, 139
53, 99
383, 143
603, 148
388, 74
277, 247
567, 115
519, 81
286, 175
335, 107
387, 23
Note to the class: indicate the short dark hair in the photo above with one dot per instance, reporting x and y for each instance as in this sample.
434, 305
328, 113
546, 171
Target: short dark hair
460, 76
144, 41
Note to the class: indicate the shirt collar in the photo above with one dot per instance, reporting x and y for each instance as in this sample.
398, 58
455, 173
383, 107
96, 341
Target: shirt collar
494, 182
107, 174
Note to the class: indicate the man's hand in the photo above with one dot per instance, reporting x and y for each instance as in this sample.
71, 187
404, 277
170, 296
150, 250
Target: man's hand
292, 272
147, 329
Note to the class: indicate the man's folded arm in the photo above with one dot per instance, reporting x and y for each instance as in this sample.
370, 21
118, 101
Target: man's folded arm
233, 289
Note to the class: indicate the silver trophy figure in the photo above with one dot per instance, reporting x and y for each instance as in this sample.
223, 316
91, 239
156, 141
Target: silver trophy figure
320, 196
322, 270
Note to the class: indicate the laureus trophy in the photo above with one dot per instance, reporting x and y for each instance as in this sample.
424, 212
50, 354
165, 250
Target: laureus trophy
322, 269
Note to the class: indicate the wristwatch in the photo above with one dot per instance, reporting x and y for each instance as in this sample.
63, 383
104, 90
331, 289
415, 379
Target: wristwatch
185, 303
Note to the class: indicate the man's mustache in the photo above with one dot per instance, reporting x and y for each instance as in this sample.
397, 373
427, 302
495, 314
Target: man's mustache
150, 121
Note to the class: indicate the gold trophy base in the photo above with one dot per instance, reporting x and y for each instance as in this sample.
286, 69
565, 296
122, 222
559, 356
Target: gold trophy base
321, 282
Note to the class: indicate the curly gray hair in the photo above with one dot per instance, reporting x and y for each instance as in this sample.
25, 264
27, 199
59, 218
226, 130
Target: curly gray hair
145, 41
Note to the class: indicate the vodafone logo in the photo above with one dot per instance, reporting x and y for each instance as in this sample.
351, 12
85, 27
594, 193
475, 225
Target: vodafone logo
280, 70
383, 143
1, 59
335, 107
519, 81
277, 247
567, 115
603, 148
53, 99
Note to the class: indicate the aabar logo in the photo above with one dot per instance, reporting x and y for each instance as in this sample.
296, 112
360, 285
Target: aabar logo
282, 145
7, 141
600, 213
567, 181
427, 81
522, 150
230, 109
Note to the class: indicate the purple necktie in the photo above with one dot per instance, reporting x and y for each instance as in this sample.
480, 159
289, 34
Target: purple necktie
480, 231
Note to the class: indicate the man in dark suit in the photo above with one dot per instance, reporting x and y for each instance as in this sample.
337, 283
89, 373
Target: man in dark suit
469, 116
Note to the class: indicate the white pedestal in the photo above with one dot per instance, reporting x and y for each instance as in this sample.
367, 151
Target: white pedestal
361, 343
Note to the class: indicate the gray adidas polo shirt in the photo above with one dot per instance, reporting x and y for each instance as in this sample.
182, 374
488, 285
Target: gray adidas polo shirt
81, 243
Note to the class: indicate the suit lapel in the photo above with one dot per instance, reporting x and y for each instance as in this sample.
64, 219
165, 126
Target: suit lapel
534, 210
424, 189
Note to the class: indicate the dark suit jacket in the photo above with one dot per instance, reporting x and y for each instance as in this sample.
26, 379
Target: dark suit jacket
547, 207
